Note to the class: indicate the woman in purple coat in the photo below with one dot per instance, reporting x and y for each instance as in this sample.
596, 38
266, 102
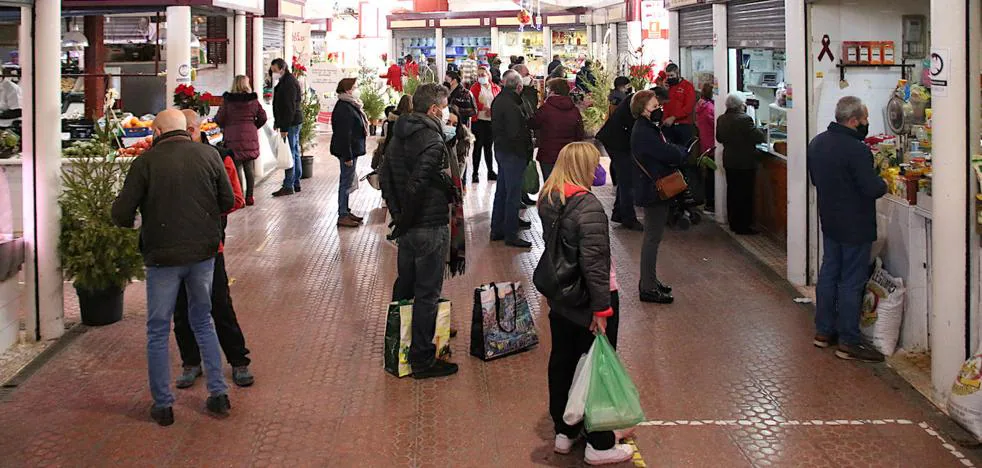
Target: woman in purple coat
241, 116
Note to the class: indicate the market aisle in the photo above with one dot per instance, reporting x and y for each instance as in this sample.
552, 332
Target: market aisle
728, 375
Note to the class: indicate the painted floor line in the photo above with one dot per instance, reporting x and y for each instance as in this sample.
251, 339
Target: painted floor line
816, 422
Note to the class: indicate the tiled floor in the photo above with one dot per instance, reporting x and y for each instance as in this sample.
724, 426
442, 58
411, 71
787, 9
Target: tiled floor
728, 376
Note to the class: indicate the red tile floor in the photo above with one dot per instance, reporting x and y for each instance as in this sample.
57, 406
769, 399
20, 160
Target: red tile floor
728, 375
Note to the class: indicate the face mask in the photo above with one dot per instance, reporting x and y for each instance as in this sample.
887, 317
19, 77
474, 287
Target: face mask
482, 79
862, 130
674, 81
277, 75
446, 84
356, 93
449, 132
527, 80
657, 114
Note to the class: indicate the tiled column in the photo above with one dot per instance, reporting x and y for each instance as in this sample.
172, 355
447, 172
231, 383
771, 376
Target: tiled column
721, 67
796, 71
178, 48
674, 54
258, 66
239, 44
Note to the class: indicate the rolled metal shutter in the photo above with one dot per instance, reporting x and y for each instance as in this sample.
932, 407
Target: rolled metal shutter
623, 41
273, 32
696, 27
755, 23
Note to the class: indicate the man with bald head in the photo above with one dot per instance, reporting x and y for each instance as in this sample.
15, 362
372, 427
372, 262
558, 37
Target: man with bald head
181, 191
230, 335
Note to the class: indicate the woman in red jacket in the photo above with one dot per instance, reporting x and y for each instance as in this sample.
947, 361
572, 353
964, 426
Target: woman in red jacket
241, 116
558, 122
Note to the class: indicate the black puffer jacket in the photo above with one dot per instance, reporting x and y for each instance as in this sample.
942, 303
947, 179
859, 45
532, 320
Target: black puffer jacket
287, 95
415, 183
584, 224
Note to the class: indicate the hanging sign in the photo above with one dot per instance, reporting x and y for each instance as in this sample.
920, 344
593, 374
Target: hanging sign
672, 4
654, 20
940, 71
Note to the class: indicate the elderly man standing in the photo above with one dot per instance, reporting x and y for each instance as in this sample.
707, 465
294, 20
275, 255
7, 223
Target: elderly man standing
181, 190
841, 167
512, 150
736, 130
530, 100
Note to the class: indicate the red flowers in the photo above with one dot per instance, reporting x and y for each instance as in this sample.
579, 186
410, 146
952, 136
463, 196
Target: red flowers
185, 90
185, 97
298, 68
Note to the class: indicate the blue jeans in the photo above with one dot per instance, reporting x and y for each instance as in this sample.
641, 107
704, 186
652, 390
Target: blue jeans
841, 281
347, 178
507, 194
162, 287
292, 178
421, 261
546, 170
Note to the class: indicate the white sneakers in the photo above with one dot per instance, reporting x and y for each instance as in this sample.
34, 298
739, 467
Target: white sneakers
619, 453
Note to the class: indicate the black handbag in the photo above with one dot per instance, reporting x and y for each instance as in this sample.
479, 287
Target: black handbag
558, 276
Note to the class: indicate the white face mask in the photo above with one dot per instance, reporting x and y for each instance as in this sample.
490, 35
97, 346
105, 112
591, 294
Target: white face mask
482, 79
527, 81
356, 93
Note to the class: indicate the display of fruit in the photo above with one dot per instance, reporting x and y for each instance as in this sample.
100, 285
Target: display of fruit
9, 143
208, 126
67, 85
136, 149
134, 122
87, 149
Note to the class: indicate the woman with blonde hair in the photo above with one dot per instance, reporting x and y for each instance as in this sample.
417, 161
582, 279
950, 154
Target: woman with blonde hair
567, 204
241, 116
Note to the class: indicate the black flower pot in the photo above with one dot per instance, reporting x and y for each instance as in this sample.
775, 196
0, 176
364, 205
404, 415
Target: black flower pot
306, 167
100, 307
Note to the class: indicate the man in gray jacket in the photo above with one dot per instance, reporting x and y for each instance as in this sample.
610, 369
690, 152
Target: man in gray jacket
181, 191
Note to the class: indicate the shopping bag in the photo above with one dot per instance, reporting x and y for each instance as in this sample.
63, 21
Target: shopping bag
883, 310
576, 403
501, 323
399, 336
965, 402
612, 402
284, 157
531, 181
599, 176
354, 183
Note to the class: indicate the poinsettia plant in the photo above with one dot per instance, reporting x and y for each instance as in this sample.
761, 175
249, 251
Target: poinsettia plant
299, 70
185, 97
641, 76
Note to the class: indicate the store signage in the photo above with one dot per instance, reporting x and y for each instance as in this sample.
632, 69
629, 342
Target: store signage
303, 47
184, 73
654, 20
323, 77
253, 6
940, 71
672, 4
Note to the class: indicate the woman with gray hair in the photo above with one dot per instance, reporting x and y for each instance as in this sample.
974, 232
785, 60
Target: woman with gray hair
739, 135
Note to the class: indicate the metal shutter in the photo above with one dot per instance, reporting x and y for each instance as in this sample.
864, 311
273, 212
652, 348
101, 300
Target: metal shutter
696, 27
755, 23
127, 29
623, 41
273, 32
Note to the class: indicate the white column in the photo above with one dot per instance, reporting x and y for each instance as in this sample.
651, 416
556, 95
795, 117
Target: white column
721, 67
496, 42
590, 40
229, 70
612, 58
441, 55
950, 212
634, 35
258, 67
598, 40
43, 294
288, 42
547, 46
178, 48
797, 75
674, 51
240, 44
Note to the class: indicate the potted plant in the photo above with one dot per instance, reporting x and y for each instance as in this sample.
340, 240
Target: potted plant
311, 108
99, 258
596, 101
185, 97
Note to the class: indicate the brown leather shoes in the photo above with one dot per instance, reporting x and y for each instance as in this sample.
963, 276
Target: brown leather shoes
348, 221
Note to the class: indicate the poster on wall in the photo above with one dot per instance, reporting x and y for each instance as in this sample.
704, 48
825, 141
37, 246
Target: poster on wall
323, 78
303, 47
654, 20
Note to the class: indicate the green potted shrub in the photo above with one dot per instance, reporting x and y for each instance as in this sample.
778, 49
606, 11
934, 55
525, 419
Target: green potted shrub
311, 108
98, 257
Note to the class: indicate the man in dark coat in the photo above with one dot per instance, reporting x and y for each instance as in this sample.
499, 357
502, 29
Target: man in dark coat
461, 100
841, 167
417, 190
512, 150
530, 100
288, 118
616, 138
553, 65
736, 130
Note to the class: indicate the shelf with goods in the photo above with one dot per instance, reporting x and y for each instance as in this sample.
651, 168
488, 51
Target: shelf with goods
572, 46
419, 47
903, 158
528, 44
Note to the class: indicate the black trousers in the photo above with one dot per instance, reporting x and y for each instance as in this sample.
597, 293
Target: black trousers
483, 141
740, 198
623, 164
229, 334
569, 342
709, 183
249, 169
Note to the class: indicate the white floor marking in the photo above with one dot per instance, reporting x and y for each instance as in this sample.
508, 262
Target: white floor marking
815, 422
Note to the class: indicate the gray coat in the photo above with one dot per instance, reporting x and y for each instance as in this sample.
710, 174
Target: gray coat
584, 225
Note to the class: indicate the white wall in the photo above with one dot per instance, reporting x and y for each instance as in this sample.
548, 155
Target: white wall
879, 20
214, 80
10, 303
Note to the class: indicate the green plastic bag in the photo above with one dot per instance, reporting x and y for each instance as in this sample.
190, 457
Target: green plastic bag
531, 182
612, 402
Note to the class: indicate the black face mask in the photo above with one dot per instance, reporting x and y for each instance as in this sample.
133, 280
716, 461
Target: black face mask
446, 84
674, 81
656, 115
862, 130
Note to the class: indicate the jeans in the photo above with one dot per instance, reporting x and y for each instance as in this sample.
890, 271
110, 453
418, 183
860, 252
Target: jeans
226, 325
623, 165
655, 217
292, 179
546, 170
421, 261
845, 269
508, 194
569, 342
163, 284
483, 140
345, 181
740, 198
248, 169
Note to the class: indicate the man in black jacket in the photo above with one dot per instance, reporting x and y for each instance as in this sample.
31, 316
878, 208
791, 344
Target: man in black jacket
418, 190
181, 190
616, 138
461, 100
841, 167
288, 118
512, 150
